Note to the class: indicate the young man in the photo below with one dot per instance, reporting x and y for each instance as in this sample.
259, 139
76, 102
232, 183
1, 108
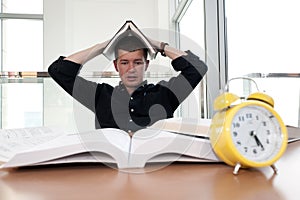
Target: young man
133, 104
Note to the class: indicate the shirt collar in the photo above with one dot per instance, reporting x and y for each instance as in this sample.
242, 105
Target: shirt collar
122, 86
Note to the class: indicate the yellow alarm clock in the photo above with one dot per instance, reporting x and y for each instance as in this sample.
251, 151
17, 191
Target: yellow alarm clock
247, 133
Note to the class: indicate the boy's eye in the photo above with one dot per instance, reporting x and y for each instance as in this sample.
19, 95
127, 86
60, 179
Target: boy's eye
135, 63
124, 63
138, 63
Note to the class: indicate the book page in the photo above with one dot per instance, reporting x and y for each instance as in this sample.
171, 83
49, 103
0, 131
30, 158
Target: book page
189, 126
16, 140
150, 145
86, 157
112, 142
145, 40
109, 49
128, 29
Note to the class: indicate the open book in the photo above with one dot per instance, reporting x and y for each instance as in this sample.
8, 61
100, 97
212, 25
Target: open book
18, 140
128, 29
294, 133
150, 145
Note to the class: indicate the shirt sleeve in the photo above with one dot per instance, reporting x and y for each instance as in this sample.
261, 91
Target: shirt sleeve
191, 67
65, 73
192, 70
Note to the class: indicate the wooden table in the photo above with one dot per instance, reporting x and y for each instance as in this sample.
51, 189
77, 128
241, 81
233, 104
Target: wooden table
176, 181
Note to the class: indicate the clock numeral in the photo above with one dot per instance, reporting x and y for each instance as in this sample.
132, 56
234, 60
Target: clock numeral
241, 118
257, 117
236, 125
235, 134
268, 141
246, 149
268, 132
264, 123
254, 151
239, 143
249, 115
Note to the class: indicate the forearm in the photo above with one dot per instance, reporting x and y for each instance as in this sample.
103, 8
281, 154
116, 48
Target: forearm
83, 56
170, 51
173, 53
190, 65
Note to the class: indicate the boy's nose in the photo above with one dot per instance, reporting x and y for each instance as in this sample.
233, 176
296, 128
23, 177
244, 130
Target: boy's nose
131, 66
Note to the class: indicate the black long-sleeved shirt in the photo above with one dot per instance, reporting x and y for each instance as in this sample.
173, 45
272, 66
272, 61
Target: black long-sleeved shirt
115, 108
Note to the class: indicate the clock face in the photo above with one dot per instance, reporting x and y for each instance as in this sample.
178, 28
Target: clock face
256, 133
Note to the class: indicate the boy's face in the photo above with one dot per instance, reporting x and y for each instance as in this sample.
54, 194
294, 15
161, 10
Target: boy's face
131, 67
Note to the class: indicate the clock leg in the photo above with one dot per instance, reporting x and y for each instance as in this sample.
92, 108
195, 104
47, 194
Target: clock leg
236, 168
274, 169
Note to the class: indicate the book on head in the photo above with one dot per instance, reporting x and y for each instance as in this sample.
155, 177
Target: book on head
128, 29
115, 146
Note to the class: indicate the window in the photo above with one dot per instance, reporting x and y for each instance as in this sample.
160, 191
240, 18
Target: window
21, 33
263, 36
263, 39
22, 105
189, 19
192, 25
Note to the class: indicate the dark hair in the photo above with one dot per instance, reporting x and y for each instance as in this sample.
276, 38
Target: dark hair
130, 43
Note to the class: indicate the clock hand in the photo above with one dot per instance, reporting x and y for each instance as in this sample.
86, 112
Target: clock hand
258, 142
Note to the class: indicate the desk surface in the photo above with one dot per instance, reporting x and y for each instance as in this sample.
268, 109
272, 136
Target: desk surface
176, 181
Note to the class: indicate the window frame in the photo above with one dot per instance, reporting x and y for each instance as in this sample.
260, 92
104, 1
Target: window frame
215, 49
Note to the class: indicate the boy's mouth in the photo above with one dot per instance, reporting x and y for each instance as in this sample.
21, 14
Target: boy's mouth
131, 78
